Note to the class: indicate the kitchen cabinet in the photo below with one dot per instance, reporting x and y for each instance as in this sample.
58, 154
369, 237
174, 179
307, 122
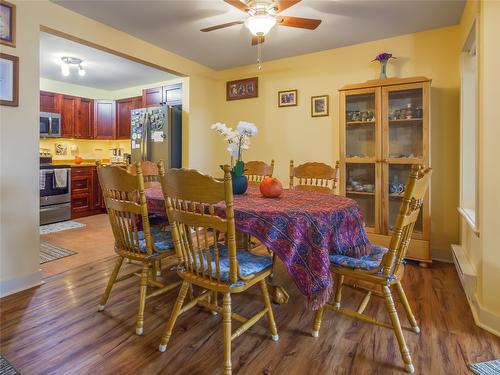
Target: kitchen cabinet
97, 198
50, 102
84, 118
152, 97
86, 194
123, 108
68, 115
384, 130
104, 119
165, 95
172, 94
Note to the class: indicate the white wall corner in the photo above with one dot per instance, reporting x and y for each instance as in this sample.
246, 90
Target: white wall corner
8, 287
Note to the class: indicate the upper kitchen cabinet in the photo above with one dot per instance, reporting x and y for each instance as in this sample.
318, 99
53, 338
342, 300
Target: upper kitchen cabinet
165, 95
123, 108
68, 115
104, 119
84, 118
50, 102
152, 97
172, 94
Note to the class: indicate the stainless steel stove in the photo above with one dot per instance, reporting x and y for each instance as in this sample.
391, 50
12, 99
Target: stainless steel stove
55, 191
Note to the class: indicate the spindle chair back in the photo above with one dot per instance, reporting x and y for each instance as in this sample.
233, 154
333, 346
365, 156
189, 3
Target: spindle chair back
314, 176
257, 170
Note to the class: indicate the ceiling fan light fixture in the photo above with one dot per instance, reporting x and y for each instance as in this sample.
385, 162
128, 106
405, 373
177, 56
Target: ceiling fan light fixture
260, 25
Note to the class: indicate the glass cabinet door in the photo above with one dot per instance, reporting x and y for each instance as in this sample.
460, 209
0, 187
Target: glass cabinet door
404, 124
361, 125
361, 186
405, 128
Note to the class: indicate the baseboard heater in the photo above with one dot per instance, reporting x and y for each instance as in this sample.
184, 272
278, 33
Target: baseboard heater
465, 270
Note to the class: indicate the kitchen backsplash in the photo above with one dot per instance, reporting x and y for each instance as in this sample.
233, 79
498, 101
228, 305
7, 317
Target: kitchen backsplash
67, 149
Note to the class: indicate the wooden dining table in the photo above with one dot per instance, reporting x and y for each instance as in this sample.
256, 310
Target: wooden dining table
301, 229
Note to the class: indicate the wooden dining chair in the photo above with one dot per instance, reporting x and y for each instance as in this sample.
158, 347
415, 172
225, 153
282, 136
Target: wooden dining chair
193, 202
314, 176
149, 172
127, 209
383, 268
257, 170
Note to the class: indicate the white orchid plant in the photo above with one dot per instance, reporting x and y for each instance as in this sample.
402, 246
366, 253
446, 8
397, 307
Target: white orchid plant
238, 140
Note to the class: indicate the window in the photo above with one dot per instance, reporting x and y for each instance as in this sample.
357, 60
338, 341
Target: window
468, 131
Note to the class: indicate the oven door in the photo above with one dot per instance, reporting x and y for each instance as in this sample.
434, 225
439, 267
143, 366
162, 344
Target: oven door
49, 194
44, 124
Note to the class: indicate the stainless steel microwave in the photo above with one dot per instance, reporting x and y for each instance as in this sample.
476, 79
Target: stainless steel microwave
50, 124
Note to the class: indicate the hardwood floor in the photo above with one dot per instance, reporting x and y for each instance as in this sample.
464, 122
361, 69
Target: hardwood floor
93, 242
56, 329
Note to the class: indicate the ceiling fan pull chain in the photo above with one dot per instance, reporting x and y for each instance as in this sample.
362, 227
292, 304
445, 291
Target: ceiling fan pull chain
259, 53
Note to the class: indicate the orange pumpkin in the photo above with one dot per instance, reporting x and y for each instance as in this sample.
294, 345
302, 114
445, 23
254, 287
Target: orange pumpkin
78, 159
271, 187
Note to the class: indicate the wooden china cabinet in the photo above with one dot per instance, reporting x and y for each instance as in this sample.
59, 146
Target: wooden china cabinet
384, 129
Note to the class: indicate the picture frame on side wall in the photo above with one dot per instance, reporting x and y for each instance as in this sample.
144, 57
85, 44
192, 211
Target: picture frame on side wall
7, 23
242, 89
9, 80
287, 98
320, 106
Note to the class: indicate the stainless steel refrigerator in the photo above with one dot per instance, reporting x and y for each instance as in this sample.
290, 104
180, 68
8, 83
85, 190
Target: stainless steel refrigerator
157, 135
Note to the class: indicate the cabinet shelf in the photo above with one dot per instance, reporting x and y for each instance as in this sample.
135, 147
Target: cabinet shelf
406, 121
360, 123
360, 192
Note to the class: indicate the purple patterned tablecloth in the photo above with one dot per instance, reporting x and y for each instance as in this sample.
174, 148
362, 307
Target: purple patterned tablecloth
302, 228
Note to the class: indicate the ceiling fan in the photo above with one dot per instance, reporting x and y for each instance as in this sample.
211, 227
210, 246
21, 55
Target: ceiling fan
264, 15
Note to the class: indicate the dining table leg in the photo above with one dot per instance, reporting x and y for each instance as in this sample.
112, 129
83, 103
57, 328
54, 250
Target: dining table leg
275, 283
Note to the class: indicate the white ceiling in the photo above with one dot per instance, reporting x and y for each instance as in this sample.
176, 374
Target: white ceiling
104, 70
174, 25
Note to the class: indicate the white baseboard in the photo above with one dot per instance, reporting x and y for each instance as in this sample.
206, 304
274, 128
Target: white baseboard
484, 318
8, 287
442, 255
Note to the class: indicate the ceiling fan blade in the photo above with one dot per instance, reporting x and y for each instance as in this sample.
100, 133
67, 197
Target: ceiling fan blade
303, 23
237, 4
212, 28
257, 40
285, 4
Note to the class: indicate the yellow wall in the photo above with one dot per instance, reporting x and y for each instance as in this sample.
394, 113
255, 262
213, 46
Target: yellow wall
19, 195
291, 133
482, 250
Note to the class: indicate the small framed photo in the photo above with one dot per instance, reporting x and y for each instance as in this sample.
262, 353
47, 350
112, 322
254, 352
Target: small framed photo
242, 89
319, 106
287, 98
7, 23
9, 80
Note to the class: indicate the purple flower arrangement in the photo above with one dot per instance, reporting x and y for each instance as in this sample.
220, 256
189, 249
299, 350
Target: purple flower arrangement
383, 57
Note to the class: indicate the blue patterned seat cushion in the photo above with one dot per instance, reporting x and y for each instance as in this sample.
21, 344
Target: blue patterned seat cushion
162, 240
366, 262
248, 263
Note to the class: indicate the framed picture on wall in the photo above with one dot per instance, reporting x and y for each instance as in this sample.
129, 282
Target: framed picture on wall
319, 106
242, 89
9, 80
287, 98
7, 23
